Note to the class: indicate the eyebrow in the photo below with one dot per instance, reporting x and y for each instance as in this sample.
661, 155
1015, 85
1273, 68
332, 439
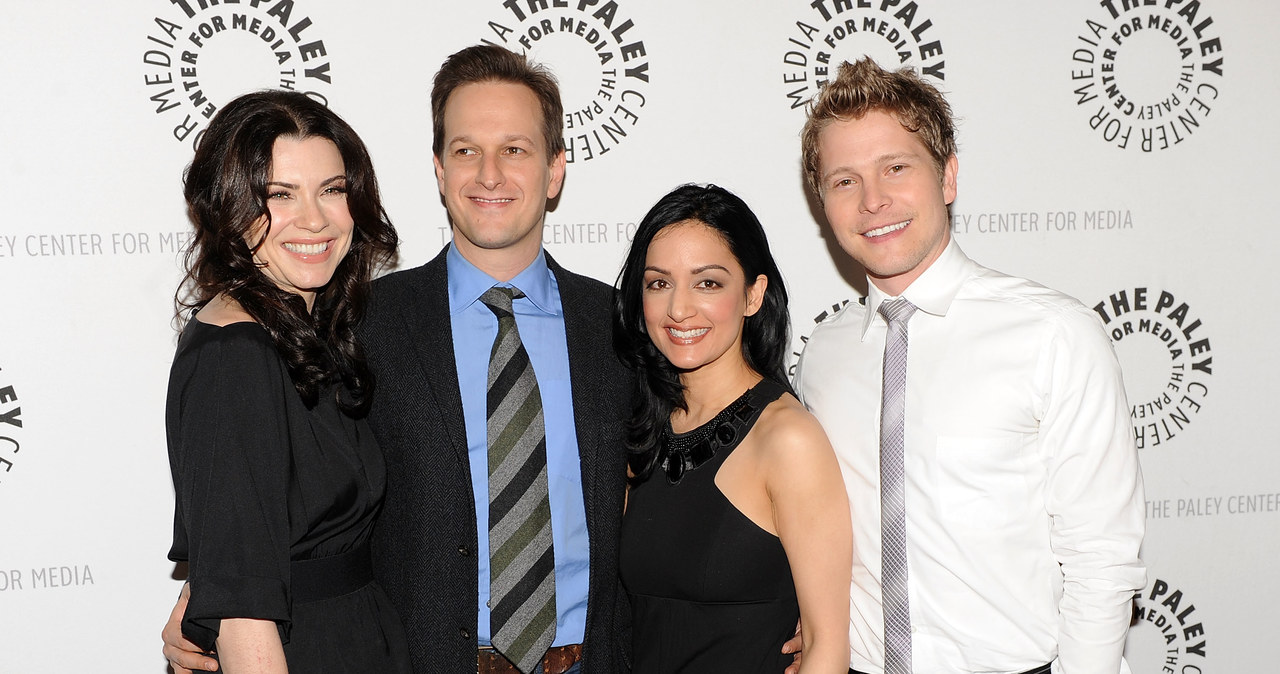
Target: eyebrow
888, 158
699, 270
505, 139
291, 186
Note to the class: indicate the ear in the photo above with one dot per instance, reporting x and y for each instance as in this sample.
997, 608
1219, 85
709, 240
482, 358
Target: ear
557, 175
755, 294
949, 171
439, 173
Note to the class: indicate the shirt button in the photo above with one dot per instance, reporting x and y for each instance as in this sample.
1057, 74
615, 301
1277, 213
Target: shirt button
464, 632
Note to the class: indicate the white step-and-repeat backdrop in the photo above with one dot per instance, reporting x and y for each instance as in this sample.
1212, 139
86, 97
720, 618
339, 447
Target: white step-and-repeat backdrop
1123, 151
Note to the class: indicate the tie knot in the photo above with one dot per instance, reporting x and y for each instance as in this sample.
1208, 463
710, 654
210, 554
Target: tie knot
499, 298
897, 311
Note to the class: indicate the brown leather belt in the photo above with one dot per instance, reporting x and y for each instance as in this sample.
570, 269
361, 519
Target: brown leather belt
558, 660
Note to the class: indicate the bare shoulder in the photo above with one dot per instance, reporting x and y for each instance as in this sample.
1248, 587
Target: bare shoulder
787, 432
223, 311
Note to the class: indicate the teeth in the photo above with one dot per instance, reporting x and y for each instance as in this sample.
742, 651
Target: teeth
492, 201
307, 248
886, 229
687, 334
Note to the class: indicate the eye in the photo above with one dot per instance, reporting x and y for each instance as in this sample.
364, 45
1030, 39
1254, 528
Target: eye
657, 284
708, 284
897, 168
516, 150
844, 182
465, 152
336, 189
278, 194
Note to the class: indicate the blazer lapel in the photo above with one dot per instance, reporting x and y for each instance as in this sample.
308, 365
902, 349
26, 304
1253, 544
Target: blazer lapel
431, 334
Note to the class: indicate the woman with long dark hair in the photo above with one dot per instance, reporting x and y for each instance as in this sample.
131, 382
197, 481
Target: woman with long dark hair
737, 522
278, 479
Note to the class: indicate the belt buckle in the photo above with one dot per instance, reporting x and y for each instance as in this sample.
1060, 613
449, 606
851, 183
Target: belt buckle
488, 659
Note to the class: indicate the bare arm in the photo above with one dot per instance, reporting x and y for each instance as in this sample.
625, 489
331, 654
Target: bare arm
810, 509
251, 646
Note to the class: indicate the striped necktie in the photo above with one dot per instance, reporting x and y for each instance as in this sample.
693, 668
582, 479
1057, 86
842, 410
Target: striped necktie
522, 583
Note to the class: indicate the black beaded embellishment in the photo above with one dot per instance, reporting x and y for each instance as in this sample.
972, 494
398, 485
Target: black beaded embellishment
679, 453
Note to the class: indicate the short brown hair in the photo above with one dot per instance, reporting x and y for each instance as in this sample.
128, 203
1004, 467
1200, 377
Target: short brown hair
490, 63
864, 87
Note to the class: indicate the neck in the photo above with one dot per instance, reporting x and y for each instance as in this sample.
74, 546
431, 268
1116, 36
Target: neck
710, 389
503, 264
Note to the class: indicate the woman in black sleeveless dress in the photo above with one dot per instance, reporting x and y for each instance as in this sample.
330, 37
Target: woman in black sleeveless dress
278, 479
737, 521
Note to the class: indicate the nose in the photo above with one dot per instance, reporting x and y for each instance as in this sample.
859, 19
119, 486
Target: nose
312, 217
873, 197
490, 173
680, 307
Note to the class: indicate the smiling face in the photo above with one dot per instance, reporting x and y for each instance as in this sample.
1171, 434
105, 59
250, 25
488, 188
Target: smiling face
310, 227
495, 175
884, 198
696, 297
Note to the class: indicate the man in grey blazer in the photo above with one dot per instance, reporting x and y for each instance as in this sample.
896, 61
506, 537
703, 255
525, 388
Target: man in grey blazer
499, 157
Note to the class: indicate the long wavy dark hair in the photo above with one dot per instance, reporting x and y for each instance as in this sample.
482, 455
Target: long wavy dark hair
226, 191
764, 333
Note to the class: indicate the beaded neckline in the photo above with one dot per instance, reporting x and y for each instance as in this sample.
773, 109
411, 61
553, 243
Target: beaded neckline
679, 453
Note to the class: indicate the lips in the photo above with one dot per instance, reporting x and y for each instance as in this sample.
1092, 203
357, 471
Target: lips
306, 248
887, 229
687, 335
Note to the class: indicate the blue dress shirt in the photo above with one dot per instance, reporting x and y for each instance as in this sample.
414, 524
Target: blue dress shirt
540, 320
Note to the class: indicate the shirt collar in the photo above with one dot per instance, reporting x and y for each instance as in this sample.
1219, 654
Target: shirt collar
932, 292
468, 282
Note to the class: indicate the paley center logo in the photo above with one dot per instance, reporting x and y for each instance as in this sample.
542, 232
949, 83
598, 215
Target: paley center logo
202, 53
1166, 358
599, 59
1167, 634
1147, 72
893, 33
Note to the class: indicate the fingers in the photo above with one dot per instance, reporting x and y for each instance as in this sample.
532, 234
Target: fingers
794, 645
794, 667
186, 662
184, 656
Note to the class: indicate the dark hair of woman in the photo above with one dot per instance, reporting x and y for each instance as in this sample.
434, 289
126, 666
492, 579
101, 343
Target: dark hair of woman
226, 191
764, 334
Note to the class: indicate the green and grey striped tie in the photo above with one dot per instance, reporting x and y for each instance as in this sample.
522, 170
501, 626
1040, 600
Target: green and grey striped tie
522, 584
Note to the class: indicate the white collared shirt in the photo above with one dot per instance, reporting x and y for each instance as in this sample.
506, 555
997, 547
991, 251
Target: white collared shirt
1024, 497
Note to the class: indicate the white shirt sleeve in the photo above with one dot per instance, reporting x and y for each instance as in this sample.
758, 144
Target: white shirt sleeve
1093, 494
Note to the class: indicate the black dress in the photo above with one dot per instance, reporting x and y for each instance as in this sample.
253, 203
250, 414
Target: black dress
710, 590
275, 504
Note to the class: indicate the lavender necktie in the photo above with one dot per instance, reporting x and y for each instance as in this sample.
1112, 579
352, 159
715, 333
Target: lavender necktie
893, 510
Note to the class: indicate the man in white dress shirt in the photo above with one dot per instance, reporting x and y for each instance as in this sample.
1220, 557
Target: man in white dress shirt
1023, 497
